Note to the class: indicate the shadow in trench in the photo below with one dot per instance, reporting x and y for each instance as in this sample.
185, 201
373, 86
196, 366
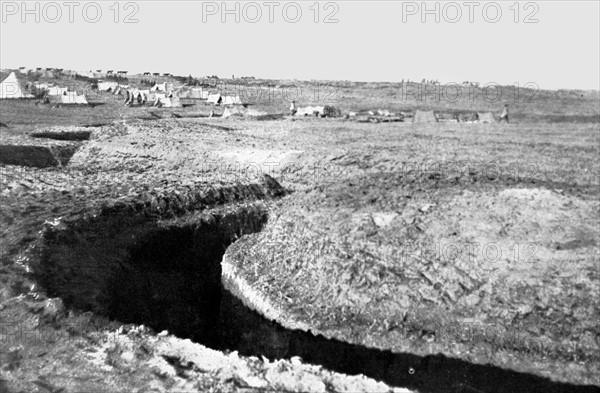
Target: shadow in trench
253, 335
169, 278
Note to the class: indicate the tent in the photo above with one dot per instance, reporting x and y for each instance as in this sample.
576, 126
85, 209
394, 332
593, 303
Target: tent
168, 102
134, 96
72, 97
142, 95
229, 100
424, 117
159, 87
107, 86
486, 117
12, 88
214, 99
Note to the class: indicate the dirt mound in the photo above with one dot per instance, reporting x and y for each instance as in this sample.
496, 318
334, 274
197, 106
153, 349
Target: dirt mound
422, 265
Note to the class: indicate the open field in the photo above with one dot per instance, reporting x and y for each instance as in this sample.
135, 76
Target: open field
446, 257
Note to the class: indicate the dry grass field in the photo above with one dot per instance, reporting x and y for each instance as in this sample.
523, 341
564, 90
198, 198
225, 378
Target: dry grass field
300, 254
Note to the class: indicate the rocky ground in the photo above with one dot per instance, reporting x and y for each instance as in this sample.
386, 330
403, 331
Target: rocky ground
371, 241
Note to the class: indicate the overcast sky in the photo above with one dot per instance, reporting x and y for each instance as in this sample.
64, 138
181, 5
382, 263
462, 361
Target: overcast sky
367, 41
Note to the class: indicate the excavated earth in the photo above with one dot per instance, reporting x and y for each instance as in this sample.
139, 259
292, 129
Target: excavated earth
305, 256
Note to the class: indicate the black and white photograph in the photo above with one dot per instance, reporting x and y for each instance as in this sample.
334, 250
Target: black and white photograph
309, 196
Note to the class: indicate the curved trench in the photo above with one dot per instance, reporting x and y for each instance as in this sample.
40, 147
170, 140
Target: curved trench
167, 275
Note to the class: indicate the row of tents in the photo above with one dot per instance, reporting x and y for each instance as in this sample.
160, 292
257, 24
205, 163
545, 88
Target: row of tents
163, 95
149, 95
110, 86
13, 88
134, 96
162, 91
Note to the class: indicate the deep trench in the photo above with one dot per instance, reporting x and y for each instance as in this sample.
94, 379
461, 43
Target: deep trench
168, 277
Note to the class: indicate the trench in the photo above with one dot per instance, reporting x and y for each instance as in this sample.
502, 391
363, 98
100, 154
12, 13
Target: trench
168, 276
63, 135
36, 156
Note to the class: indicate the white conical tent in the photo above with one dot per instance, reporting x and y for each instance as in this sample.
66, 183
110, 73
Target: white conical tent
11, 88
141, 95
214, 99
159, 87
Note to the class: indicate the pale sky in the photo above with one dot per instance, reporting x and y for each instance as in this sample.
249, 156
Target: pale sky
371, 40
